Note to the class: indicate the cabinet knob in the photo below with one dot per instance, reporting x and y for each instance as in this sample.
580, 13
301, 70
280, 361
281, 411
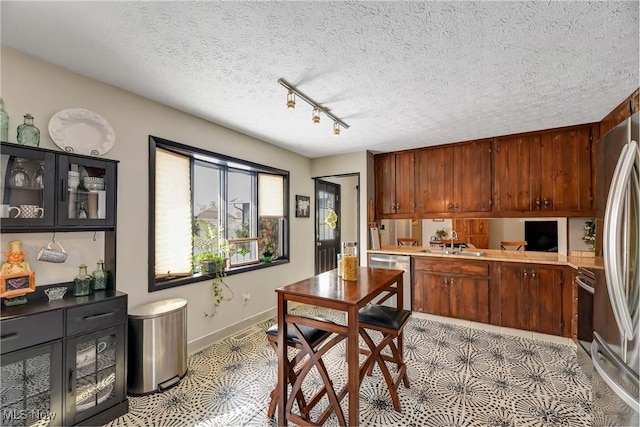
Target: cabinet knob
533, 274
446, 281
450, 206
456, 206
538, 202
546, 202
397, 206
525, 274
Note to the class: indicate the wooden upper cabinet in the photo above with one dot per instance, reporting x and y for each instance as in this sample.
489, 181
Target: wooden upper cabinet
394, 175
544, 173
621, 113
434, 189
454, 179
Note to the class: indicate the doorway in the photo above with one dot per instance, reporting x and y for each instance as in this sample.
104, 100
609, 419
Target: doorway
337, 211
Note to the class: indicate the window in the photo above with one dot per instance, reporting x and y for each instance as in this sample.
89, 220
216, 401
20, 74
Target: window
200, 201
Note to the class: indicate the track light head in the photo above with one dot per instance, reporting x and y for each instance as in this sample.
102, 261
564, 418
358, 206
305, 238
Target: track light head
291, 100
336, 129
315, 116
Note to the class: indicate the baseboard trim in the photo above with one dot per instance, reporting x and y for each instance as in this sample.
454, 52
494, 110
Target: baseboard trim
206, 340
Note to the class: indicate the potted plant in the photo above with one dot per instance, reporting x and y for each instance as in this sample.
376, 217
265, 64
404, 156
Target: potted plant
590, 234
211, 258
441, 233
267, 253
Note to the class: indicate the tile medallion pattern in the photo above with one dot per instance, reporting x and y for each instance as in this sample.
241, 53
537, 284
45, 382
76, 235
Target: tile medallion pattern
459, 376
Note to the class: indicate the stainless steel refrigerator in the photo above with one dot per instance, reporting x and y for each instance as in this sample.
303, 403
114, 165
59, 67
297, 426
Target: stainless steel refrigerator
615, 348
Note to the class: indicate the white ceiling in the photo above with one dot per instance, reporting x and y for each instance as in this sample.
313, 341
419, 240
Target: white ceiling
401, 74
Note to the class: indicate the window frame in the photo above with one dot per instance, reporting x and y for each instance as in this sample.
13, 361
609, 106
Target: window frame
191, 152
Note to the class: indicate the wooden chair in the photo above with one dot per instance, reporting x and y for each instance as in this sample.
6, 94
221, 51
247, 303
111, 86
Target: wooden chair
314, 337
407, 241
519, 243
390, 322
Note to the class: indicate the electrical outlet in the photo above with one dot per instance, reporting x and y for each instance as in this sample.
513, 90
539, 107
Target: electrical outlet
246, 297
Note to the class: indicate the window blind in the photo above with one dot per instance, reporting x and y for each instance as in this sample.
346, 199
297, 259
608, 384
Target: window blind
173, 214
270, 195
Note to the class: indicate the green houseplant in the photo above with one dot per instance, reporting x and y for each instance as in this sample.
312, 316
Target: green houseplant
267, 253
441, 233
211, 253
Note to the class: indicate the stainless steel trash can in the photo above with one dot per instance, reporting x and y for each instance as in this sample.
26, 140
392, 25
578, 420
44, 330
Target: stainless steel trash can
157, 346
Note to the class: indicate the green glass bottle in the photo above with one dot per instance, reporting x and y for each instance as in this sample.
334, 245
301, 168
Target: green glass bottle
99, 277
82, 282
28, 134
4, 123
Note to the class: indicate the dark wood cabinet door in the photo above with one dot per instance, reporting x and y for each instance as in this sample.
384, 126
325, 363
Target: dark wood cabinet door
432, 293
569, 187
385, 172
512, 174
404, 183
514, 296
434, 187
469, 298
472, 177
546, 292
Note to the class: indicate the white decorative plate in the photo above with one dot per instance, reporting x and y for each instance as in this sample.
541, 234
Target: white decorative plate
81, 131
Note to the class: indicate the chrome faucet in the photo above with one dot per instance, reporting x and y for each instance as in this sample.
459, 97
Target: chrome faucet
454, 236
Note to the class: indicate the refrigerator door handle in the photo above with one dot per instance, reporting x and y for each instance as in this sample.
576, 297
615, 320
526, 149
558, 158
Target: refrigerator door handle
612, 235
628, 398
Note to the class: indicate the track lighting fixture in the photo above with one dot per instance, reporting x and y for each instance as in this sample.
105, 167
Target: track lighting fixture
291, 100
317, 108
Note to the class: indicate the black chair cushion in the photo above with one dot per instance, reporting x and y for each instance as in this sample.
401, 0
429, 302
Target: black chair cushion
311, 334
383, 316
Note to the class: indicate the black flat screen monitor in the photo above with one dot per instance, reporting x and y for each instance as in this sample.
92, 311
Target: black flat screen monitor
541, 236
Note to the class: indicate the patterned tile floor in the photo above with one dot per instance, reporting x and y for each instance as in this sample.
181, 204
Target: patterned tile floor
460, 376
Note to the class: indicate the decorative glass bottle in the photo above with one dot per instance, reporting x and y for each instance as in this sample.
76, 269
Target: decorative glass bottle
28, 134
99, 276
4, 123
82, 282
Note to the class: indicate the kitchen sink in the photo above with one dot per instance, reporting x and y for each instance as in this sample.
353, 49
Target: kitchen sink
454, 252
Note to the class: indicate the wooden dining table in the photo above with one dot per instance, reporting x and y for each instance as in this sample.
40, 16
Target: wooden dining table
330, 291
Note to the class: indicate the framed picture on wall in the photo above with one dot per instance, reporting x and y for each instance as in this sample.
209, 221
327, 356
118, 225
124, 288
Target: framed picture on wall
303, 206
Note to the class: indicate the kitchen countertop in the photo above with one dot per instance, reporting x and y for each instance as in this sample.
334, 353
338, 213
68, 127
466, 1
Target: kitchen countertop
498, 255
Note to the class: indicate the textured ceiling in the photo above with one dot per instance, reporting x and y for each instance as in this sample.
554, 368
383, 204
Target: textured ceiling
401, 74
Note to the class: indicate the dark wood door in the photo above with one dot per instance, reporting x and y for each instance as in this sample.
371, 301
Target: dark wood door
434, 190
512, 174
404, 183
385, 173
546, 291
514, 296
472, 177
469, 298
327, 232
432, 293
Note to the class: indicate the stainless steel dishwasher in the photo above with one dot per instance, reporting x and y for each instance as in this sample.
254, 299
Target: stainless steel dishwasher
395, 262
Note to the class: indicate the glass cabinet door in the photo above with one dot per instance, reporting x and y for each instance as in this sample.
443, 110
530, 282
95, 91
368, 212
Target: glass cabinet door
28, 187
95, 365
88, 192
31, 387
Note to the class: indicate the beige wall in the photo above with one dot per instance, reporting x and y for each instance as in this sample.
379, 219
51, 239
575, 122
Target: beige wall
42, 89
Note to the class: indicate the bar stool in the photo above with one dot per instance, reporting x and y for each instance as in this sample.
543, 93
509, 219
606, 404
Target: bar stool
407, 241
519, 243
390, 322
315, 337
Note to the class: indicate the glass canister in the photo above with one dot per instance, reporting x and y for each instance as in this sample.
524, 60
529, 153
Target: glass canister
28, 134
82, 282
99, 276
349, 260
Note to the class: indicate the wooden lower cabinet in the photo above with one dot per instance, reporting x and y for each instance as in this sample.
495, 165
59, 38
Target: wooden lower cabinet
532, 297
452, 288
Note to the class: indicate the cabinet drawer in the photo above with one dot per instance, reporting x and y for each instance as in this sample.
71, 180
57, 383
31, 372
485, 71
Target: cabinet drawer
96, 316
450, 266
27, 331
